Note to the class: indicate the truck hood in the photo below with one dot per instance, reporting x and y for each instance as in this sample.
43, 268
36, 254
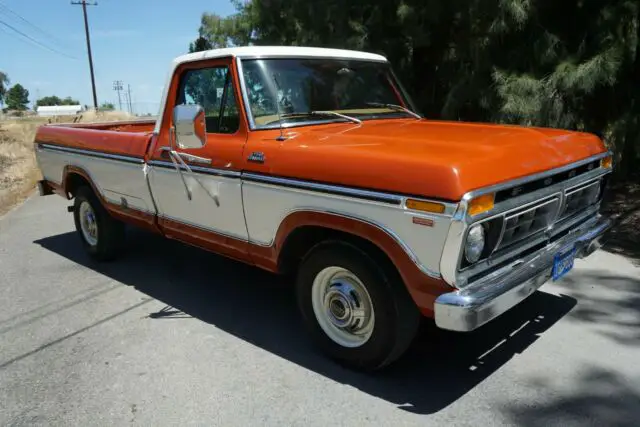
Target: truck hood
435, 159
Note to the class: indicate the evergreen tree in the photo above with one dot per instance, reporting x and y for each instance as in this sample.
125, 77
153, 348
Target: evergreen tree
17, 98
566, 64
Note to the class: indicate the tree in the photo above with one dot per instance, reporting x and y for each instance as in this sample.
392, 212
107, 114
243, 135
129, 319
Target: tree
17, 98
566, 64
54, 100
4, 83
70, 101
200, 44
217, 32
107, 106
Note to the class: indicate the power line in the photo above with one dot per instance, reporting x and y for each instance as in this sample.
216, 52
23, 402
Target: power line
35, 41
23, 19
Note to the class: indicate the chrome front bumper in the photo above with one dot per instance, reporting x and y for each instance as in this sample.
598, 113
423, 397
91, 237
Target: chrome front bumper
492, 295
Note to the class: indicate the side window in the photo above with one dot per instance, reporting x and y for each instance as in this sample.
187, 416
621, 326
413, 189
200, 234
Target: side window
212, 89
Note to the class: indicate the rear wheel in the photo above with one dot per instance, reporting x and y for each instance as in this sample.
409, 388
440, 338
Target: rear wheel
357, 311
101, 235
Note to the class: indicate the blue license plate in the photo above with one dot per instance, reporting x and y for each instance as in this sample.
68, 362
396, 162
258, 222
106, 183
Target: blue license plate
563, 262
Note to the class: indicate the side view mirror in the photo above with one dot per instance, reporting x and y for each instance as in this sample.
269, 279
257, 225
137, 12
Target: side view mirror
190, 126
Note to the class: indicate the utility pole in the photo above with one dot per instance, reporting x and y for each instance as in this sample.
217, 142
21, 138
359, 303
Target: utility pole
117, 86
86, 30
126, 100
130, 103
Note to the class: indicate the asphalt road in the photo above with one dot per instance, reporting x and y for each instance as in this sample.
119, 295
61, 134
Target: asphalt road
173, 335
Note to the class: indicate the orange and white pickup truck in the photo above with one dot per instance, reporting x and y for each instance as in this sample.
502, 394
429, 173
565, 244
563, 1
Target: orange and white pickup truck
313, 163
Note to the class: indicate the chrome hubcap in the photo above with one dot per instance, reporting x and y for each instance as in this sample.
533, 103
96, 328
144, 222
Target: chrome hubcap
343, 307
88, 223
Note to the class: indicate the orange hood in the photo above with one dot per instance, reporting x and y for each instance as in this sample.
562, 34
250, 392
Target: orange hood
435, 159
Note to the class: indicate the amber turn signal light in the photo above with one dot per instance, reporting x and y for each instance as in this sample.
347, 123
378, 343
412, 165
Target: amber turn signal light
481, 204
607, 162
421, 205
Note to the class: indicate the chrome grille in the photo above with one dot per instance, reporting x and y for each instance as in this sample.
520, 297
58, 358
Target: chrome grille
528, 221
527, 216
580, 197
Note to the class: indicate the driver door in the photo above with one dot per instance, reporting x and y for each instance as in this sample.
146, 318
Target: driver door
198, 195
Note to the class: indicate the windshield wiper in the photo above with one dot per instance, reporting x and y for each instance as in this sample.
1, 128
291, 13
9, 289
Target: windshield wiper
395, 107
323, 113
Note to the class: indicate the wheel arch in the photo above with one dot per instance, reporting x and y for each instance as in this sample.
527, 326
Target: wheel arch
301, 230
305, 237
75, 177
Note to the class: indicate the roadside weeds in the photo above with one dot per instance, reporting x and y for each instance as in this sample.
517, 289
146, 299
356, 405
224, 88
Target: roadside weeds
18, 168
19, 171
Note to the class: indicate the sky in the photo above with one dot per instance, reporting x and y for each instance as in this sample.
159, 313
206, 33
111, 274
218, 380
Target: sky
133, 41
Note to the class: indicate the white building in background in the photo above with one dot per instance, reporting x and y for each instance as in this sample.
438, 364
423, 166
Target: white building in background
59, 110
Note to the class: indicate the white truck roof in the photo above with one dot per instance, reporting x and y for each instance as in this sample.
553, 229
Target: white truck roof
275, 51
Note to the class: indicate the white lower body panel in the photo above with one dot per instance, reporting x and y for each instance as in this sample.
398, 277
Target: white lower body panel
266, 207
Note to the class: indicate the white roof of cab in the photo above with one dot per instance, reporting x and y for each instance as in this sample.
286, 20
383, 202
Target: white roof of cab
275, 51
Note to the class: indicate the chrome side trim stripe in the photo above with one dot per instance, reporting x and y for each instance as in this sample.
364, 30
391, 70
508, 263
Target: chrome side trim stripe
199, 169
324, 188
338, 190
249, 177
128, 208
199, 227
90, 153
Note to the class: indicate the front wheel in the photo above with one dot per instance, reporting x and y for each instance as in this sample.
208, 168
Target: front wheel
356, 310
101, 234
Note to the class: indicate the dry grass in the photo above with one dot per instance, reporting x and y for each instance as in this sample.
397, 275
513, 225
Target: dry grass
18, 168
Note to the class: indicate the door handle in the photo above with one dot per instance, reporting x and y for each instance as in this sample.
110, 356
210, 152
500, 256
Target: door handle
194, 159
168, 151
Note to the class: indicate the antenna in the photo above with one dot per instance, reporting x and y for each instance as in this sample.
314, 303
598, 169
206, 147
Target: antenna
281, 137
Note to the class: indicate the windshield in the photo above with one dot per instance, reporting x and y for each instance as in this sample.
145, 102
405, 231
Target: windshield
288, 90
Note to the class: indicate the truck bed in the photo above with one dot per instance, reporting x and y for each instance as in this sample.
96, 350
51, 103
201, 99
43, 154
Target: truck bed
110, 156
129, 138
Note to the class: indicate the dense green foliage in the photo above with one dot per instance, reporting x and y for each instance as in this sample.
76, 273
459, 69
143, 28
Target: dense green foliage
571, 64
54, 100
107, 106
17, 98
